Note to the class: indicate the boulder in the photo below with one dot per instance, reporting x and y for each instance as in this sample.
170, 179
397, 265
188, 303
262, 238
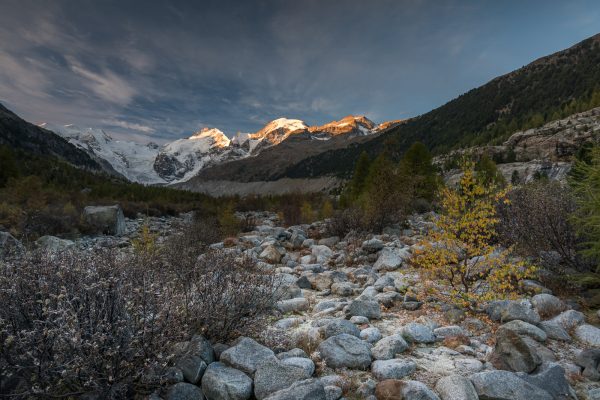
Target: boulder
293, 353
292, 305
394, 389
390, 259
333, 392
513, 353
321, 253
192, 367
521, 310
555, 331
588, 334
54, 244
505, 385
342, 289
338, 326
456, 387
417, 333
272, 254
551, 378
108, 220
372, 245
246, 355
589, 361
301, 362
200, 346
221, 382
392, 369
547, 305
388, 347
273, 375
310, 389
363, 308
371, 335
569, 319
345, 351
9, 245
184, 391
449, 331
524, 328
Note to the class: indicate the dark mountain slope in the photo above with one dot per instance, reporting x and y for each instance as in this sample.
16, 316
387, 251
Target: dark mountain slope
22, 135
550, 88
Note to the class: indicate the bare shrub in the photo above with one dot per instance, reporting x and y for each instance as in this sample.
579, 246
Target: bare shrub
345, 221
75, 323
536, 220
225, 296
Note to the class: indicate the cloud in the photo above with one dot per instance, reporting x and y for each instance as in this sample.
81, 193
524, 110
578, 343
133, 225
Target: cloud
129, 125
107, 85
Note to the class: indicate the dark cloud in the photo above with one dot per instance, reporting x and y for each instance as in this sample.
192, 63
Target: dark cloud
158, 70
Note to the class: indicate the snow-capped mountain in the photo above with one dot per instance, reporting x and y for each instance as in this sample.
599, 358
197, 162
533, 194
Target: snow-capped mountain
132, 160
182, 159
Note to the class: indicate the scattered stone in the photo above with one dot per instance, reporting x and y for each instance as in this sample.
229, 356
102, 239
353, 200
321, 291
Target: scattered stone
345, 351
310, 389
505, 385
390, 259
333, 392
417, 333
246, 355
569, 319
392, 368
388, 347
221, 382
271, 254
447, 331
456, 387
359, 320
184, 391
364, 308
321, 253
343, 289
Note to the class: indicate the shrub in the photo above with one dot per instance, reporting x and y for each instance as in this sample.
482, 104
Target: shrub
224, 296
75, 323
459, 252
536, 220
585, 181
345, 221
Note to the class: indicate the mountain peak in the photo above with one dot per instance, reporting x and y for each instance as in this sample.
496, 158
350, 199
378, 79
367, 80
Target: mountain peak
219, 138
279, 129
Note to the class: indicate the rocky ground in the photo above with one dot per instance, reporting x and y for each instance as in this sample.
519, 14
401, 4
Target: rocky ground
351, 326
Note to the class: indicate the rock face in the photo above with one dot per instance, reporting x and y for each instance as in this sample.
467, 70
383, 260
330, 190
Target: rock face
221, 382
105, 219
246, 355
345, 351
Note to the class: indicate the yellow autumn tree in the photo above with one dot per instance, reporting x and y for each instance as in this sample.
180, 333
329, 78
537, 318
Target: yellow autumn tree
457, 259
146, 243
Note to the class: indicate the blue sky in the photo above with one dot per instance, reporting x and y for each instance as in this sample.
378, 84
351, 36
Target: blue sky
159, 70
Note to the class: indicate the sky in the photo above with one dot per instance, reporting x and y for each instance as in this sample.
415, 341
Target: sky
161, 70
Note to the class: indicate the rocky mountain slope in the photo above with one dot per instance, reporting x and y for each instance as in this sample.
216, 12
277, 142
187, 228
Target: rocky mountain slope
183, 159
549, 88
22, 135
548, 150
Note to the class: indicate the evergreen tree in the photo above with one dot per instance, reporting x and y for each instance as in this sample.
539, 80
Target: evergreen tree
488, 173
417, 164
8, 165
